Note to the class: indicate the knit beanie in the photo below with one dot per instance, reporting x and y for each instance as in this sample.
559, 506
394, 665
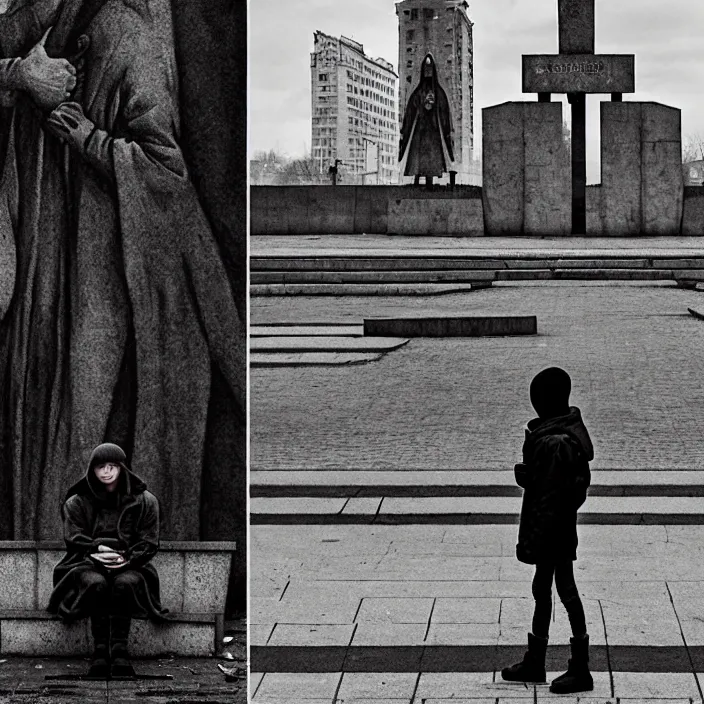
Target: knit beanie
107, 452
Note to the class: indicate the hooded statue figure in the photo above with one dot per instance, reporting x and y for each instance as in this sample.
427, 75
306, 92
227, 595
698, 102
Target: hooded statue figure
111, 529
122, 320
426, 133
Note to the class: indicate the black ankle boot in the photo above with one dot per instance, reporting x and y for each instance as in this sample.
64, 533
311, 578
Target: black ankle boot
532, 667
100, 629
119, 633
577, 678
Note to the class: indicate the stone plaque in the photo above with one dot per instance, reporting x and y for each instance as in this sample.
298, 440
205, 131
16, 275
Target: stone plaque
579, 73
576, 22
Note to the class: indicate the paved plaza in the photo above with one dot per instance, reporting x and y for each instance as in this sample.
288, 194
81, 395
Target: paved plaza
634, 353
352, 604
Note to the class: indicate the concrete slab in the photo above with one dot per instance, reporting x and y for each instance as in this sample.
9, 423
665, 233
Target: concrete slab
325, 344
660, 685
306, 330
297, 505
297, 686
373, 685
312, 634
311, 359
464, 610
395, 610
456, 326
455, 685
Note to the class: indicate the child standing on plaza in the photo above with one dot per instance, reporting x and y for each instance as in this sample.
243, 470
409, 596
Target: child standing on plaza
555, 477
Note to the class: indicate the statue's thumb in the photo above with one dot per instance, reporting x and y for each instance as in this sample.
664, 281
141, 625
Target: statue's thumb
42, 41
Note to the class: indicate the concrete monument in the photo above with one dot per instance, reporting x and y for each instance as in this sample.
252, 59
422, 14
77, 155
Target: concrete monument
642, 185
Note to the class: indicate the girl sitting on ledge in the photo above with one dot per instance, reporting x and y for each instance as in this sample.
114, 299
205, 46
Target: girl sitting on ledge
111, 529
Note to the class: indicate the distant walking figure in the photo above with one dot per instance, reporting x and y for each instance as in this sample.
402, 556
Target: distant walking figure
555, 477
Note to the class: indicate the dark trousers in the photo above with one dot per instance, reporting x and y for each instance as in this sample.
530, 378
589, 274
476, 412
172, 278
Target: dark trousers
109, 593
566, 590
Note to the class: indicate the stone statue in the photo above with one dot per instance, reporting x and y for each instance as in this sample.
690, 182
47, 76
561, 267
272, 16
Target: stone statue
426, 133
122, 320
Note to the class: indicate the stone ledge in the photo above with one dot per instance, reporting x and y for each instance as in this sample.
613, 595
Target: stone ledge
193, 578
39, 634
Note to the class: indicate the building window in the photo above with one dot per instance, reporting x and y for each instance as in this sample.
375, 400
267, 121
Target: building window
410, 35
414, 14
429, 13
323, 77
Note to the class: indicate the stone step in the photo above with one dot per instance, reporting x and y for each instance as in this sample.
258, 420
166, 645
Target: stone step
325, 344
302, 330
311, 359
447, 483
517, 260
459, 276
39, 634
362, 289
468, 510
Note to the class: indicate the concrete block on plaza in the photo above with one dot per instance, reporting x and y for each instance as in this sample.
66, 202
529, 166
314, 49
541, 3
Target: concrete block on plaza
642, 185
693, 215
17, 579
456, 326
437, 216
663, 184
526, 175
202, 571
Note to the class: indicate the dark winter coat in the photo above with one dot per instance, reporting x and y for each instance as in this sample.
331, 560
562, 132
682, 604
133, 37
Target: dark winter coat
555, 477
137, 534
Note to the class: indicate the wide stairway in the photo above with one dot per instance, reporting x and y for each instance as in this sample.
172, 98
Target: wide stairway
355, 272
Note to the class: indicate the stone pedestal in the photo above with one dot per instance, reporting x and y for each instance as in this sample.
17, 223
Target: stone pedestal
526, 170
641, 170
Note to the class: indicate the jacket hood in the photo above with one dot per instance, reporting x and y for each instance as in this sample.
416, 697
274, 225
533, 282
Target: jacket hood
129, 483
570, 424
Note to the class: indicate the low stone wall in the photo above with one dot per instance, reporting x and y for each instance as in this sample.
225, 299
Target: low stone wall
348, 210
693, 217
193, 578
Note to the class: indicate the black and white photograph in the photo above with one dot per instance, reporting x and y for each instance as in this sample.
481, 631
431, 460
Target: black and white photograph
476, 370
123, 346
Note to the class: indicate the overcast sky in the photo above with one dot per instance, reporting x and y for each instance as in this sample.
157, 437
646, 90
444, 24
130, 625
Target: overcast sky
666, 37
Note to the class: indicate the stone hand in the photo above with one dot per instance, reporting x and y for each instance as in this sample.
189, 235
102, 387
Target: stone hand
68, 123
48, 81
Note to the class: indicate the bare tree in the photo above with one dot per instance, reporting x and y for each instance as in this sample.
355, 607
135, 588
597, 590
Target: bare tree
692, 148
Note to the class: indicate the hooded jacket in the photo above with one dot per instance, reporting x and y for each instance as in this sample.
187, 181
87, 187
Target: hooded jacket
137, 536
555, 476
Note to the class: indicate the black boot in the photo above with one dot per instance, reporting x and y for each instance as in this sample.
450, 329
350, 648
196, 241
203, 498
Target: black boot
577, 678
100, 628
119, 632
532, 667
